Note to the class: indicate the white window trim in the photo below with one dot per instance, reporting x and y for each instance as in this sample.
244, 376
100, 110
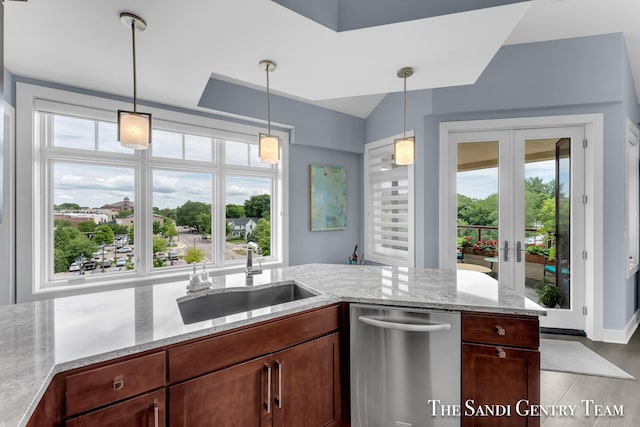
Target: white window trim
369, 254
32, 270
632, 207
7, 228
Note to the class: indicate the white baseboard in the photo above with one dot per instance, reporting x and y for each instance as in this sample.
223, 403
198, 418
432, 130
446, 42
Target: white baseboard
622, 336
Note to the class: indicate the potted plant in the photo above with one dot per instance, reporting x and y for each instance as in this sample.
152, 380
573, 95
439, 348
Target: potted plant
548, 293
486, 247
536, 253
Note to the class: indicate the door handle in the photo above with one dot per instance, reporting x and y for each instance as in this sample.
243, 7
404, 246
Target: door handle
506, 251
411, 327
156, 410
268, 402
279, 396
519, 251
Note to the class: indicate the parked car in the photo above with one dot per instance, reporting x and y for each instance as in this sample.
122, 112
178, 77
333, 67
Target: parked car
106, 263
121, 262
123, 250
173, 255
90, 265
161, 256
75, 266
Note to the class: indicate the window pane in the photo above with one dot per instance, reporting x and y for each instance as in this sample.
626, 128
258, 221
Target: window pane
236, 153
108, 139
72, 132
167, 144
248, 216
254, 157
197, 148
93, 219
181, 218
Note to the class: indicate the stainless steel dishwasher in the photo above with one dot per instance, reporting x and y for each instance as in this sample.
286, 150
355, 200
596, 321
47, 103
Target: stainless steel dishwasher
401, 359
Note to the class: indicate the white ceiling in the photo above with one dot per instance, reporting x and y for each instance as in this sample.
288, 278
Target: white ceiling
82, 43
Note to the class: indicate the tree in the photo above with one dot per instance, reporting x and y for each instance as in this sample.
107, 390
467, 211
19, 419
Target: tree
234, 211
258, 206
203, 220
170, 230
104, 235
78, 247
187, 214
157, 227
60, 223
67, 207
159, 244
60, 264
193, 255
117, 228
131, 235
87, 226
166, 212
261, 235
124, 214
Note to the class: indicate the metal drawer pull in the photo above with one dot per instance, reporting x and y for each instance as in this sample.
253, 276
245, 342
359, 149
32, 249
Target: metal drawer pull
501, 353
500, 330
279, 396
118, 383
268, 403
411, 327
155, 414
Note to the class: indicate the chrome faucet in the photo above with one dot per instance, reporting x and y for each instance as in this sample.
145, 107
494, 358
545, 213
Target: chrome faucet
250, 270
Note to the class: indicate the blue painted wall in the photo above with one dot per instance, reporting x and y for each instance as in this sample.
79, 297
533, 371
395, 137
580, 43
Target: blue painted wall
573, 76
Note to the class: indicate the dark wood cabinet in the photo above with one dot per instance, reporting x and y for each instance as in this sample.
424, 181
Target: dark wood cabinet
294, 387
500, 370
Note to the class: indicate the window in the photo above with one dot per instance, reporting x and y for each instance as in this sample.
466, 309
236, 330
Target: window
104, 214
389, 211
632, 234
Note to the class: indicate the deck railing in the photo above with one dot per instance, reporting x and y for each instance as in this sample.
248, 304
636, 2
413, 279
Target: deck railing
490, 232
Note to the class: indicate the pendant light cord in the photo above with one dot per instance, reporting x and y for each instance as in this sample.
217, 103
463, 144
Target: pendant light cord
404, 107
133, 42
268, 103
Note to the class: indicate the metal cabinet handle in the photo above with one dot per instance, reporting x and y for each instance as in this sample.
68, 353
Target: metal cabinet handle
501, 353
268, 402
411, 327
519, 251
279, 396
506, 251
118, 383
156, 412
500, 330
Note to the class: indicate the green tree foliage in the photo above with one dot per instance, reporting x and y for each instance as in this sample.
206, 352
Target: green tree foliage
103, 235
118, 229
159, 244
124, 214
157, 227
131, 235
547, 214
69, 244
67, 207
60, 264
166, 212
203, 220
170, 230
187, 214
60, 223
258, 206
87, 226
262, 236
193, 255
235, 211
478, 212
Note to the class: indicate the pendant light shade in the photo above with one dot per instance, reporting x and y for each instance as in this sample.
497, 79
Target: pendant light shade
268, 145
134, 128
404, 149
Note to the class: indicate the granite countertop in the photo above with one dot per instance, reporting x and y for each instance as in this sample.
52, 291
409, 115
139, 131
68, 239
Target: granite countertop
40, 339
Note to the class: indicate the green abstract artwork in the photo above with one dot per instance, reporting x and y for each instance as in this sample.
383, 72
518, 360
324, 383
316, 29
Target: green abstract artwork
328, 197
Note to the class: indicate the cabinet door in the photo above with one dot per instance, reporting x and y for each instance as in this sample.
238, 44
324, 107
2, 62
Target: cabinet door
236, 396
307, 384
499, 377
147, 410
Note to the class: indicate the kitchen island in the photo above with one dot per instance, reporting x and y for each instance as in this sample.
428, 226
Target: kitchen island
41, 339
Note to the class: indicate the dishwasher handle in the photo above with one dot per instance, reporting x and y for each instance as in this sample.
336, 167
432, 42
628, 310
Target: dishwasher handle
410, 327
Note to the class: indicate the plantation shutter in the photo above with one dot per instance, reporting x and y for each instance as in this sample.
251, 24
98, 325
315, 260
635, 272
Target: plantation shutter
389, 207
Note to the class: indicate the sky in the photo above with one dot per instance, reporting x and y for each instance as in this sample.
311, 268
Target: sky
96, 185
481, 183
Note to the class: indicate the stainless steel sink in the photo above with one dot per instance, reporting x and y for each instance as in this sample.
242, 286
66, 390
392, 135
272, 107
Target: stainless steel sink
226, 301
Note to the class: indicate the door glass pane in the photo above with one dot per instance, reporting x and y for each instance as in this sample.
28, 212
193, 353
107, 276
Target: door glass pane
477, 193
181, 218
563, 221
541, 222
248, 217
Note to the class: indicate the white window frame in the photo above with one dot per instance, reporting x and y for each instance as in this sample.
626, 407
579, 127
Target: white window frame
369, 253
7, 226
33, 191
632, 199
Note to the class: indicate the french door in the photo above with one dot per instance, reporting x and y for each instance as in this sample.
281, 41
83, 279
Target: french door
520, 213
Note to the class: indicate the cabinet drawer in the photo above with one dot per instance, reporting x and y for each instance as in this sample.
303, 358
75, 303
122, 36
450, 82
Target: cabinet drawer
198, 358
147, 410
506, 330
97, 387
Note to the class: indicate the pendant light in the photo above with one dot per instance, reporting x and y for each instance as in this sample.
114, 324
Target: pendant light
269, 145
404, 149
134, 128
